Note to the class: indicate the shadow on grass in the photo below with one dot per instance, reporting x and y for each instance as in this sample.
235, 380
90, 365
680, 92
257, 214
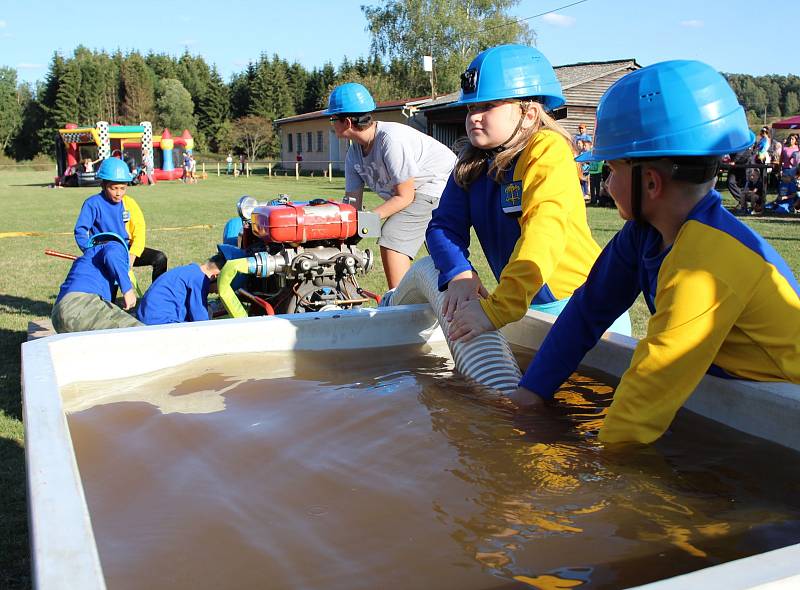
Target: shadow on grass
14, 548
10, 388
776, 220
25, 306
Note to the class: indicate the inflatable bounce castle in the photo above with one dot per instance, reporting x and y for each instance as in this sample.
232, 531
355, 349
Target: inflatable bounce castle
132, 143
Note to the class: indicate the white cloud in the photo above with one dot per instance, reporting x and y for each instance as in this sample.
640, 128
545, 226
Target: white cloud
3, 24
692, 24
29, 66
558, 20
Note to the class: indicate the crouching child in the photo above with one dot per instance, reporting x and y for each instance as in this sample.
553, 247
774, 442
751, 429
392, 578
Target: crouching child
180, 294
84, 301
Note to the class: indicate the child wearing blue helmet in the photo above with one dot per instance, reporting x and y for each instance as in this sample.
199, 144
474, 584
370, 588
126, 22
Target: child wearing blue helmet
84, 301
405, 167
517, 185
722, 300
113, 210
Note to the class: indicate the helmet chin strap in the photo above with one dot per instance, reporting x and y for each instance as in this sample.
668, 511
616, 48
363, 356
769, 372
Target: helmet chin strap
504, 146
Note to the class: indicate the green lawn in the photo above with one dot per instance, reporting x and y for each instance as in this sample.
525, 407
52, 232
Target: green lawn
185, 221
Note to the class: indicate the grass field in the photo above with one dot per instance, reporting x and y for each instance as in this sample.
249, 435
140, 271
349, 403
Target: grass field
185, 221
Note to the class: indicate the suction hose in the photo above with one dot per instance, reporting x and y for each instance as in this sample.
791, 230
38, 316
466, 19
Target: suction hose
486, 359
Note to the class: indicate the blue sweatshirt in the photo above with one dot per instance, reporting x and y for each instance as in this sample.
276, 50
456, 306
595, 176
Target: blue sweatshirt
532, 228
98, 215
179, 295
723, 301
98, 270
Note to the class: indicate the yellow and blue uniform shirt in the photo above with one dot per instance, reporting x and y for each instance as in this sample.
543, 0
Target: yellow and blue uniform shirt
97, 271
179, 295
722, 301
125, 219
532, 228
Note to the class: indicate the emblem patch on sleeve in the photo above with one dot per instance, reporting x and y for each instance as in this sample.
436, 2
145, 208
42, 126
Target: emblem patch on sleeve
511, 195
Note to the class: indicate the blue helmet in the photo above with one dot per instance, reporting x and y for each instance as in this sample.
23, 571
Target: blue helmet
672, 108
511, 71
106, 236
351, 98
114, 170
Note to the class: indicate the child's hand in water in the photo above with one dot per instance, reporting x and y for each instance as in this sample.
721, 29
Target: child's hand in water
463, 287
525, 399
469, 321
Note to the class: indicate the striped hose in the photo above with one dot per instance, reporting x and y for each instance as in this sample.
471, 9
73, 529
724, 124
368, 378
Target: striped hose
486, 359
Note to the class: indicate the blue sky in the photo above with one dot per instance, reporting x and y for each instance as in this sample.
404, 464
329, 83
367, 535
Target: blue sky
231, 33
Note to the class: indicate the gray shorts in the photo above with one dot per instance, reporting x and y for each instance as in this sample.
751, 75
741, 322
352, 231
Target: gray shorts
404, 231
82, 312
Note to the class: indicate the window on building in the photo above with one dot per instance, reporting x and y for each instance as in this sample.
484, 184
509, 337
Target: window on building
289, 146
319, 141
299, 142
310, 141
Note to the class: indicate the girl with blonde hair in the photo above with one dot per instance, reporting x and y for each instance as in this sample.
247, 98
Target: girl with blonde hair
516, 184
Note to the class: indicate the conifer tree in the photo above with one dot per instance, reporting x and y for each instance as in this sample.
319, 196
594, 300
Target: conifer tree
137, 90
241, 91
65, 109
10, 107
214, 109
298, 81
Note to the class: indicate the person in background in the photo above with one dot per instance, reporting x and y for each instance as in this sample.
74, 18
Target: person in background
763, 145
406, 168
722, 299
586, 146
229, 163
112, 210
788, 154
148, 168
784, 203
595, 173
516, 185
192, 169
181, 294
752, 196
187, 166
84, 301
88, 164
581, 135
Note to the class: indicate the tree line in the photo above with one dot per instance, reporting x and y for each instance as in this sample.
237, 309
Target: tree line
187, 92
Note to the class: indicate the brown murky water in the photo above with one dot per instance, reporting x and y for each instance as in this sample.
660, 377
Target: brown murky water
346, 470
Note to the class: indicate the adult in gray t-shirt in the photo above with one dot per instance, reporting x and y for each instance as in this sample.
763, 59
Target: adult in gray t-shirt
408, 170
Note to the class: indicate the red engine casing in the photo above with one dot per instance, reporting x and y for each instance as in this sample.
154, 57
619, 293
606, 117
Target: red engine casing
298, 223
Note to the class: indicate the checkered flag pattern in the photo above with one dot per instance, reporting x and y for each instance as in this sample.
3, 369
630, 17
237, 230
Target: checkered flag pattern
147, 140
104, 150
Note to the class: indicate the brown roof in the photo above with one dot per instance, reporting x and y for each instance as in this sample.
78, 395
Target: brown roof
573, 74
386, 105
570, 75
